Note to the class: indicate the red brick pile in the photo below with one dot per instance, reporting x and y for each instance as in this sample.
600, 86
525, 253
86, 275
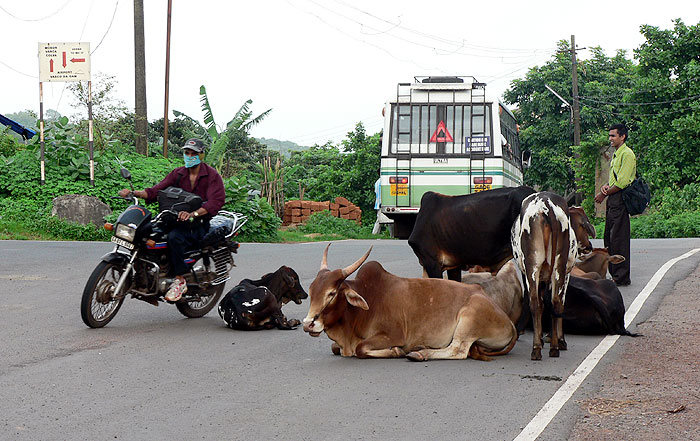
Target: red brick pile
298, 212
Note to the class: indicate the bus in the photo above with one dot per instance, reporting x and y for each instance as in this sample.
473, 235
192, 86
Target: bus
445, 134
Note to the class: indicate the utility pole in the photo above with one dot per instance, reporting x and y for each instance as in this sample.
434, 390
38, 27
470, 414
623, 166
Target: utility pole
140, 117
574, 82
167, 81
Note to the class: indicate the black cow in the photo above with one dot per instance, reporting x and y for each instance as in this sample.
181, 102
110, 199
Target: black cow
454, 232
594, 307
257, 304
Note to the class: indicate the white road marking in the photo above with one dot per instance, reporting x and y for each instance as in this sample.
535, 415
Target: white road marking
552, 407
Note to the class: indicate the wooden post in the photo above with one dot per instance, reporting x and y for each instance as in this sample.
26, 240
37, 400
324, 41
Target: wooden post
91, 144
41, 130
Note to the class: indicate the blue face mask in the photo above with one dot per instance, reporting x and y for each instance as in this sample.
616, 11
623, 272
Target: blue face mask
191, 161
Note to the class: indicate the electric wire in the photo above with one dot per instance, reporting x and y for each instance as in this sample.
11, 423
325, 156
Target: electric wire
36, 19
644, 90
108, 28
642, 104
19, 72
632, 114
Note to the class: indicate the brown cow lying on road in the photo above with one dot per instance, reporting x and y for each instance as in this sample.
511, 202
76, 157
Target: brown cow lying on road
504, 288
380, 315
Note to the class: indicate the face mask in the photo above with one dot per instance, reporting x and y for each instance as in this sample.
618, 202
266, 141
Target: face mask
191, 161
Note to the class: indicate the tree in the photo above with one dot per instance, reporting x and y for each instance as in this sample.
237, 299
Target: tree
231, 148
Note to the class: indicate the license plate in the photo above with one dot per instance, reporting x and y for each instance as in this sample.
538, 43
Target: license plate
122, 243
481, 187
399, 189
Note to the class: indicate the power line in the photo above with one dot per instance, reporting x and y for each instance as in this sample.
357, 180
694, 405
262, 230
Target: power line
19, 72
36, 19
643, 104
664, 112
108, 28
644, 90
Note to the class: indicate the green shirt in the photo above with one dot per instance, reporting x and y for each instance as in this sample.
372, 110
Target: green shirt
624, 165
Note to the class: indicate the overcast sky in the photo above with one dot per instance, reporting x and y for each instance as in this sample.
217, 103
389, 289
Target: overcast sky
322, 66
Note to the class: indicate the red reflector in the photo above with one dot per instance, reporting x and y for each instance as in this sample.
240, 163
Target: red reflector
398, 180
487, 180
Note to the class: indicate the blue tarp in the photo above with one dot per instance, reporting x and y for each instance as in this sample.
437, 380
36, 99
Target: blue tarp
17, 127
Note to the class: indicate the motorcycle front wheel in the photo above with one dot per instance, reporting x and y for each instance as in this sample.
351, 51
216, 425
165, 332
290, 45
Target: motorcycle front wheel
195, 309
97, 306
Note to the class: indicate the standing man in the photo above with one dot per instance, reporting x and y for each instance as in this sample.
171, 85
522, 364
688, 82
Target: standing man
623, 169
204, 181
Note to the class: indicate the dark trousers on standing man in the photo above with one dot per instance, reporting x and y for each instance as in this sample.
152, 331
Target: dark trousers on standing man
617, 237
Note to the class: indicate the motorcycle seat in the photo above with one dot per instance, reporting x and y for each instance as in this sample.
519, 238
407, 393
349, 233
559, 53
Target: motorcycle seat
219, 228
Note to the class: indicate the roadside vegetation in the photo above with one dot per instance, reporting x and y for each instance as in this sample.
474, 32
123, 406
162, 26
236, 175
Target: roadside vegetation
656, 93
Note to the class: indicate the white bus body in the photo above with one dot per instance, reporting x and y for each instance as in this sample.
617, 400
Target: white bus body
444, 134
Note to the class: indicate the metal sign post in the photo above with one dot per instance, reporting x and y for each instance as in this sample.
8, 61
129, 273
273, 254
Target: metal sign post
64, 62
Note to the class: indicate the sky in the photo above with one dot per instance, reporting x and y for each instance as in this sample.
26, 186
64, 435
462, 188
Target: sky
322, 66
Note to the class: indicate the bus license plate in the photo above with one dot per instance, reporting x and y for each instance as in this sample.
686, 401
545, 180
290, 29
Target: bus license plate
399, 190
122, 243
481, 187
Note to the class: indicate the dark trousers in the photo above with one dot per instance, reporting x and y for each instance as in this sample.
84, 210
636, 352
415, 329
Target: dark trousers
617, 236
181, 239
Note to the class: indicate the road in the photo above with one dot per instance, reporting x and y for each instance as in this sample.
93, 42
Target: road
153, 374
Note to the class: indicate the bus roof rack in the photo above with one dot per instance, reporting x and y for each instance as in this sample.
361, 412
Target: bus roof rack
445, 79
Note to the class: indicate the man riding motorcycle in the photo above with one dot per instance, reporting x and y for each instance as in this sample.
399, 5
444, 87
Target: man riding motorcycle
204, 181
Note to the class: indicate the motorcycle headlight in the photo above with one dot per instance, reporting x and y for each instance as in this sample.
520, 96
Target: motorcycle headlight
125, 232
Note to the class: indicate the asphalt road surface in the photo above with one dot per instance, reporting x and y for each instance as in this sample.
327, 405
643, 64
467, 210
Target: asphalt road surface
152, 374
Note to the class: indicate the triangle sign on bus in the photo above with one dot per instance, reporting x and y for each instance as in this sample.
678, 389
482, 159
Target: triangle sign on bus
441, 134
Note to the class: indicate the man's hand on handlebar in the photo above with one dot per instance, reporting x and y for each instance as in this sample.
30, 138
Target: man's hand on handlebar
124, 192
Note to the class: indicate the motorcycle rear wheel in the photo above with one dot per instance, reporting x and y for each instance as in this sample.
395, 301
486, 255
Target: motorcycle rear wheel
200, 309
97, 307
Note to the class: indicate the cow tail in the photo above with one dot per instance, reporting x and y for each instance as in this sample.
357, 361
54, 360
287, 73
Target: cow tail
508, 348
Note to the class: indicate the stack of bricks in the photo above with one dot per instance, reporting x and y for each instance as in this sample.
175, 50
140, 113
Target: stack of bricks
297, 212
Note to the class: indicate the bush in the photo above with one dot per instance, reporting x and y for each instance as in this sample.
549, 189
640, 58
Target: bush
262, 221
322, 222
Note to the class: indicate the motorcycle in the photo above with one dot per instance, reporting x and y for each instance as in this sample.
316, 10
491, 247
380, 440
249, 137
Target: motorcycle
139, 264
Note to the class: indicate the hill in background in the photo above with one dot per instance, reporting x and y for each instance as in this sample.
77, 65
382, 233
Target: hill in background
284, 147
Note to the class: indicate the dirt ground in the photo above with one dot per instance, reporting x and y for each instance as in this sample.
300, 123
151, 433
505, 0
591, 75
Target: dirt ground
653, 391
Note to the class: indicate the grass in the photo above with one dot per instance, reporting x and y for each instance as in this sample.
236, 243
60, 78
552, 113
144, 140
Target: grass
12, 230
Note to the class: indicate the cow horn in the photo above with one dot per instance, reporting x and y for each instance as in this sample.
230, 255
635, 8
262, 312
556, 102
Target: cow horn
324, 260
352, 268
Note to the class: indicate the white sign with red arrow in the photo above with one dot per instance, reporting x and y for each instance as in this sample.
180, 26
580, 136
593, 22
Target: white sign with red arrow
64, 62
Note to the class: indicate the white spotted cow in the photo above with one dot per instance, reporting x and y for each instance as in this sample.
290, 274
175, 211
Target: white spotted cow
545, 248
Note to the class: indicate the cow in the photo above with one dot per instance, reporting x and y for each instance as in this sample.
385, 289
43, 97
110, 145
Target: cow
380, 315
257, 304
504, 288
597, 261
545, 246
454, 232
594, 307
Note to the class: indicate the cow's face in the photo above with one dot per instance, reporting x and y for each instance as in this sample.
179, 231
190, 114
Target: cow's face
582, 229
294, 291
329, 295
597, 261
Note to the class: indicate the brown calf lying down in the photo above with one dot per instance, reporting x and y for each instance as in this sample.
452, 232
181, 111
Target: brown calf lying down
504, 288
596, 261
380, 315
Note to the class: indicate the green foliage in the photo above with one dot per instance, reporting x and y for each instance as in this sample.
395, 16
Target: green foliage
36, 220
323, 223
9, 144
326, 172
656, 225
262, 221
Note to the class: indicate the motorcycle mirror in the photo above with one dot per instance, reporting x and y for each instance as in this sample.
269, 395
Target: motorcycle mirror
126, 174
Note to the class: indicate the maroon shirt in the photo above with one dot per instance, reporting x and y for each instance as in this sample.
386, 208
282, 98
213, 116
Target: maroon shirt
208, 185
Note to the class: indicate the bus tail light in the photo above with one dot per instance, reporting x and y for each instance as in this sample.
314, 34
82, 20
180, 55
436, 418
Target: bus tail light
486, 180
398, 180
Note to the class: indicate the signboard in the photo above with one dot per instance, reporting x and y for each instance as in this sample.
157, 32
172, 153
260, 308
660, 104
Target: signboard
64, 62
478, 144
441, 134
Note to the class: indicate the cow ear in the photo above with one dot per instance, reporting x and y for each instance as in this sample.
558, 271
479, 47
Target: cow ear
616, 258
355, 299
585, 257
590, 229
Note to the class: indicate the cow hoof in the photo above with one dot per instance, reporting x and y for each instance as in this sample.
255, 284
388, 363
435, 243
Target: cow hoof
562, 344
293, 323
398, 352
335, 347
415, 356
536, 354
554, 352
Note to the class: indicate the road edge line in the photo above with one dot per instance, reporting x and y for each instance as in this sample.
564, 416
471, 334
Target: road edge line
542, 419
